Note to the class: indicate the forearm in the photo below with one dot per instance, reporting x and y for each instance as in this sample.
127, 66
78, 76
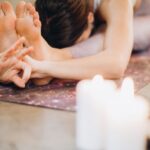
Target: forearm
103, 63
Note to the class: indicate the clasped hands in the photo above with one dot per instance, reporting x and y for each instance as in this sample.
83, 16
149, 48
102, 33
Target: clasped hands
13, 65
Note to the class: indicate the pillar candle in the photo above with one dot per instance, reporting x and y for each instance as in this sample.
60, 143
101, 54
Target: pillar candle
127, 118
90, 127
110, 119
92, 98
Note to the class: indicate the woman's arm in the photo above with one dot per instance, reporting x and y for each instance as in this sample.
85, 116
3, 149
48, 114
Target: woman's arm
118, 42
119, 34
86, 48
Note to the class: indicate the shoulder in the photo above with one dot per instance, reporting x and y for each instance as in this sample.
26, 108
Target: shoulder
109, 8
137, 4
119, 3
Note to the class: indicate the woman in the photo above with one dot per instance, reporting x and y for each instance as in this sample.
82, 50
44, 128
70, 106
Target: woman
68, 22
65, 22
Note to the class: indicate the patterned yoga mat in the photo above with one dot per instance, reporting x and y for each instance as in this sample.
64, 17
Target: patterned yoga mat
60, 94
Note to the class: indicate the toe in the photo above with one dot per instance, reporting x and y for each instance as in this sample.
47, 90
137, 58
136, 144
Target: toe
37, 23
32, 12
36, 16
30, 8
7, 9
1, 11
20, 9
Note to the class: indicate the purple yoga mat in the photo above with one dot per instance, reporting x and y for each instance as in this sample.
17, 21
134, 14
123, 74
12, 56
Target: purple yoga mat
60, 94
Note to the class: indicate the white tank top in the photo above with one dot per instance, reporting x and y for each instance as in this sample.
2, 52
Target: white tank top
96, 4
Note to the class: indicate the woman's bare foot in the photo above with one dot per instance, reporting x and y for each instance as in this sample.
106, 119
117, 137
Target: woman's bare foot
8, 34
29, 26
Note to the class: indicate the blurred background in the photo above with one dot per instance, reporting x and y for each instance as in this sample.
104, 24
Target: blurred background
144, 9
14, 2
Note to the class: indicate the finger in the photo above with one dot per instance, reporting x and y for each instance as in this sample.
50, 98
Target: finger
18, 81
14, 49
26, 73
24, 52
10, 63
13, 76
30, 60
26, 70
34, 65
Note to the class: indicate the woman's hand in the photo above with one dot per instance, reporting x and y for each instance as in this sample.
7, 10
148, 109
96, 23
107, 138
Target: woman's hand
40, 69
11, 64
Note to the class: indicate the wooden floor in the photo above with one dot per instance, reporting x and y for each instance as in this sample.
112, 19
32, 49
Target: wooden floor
31, 128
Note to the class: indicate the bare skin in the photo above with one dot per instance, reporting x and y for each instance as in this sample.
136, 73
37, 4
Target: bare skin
28, 25
100, 63
7, 26
11, 64
115, 54
34, 38
11, 52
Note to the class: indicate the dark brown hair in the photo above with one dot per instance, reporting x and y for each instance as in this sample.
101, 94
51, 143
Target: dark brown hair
63, 21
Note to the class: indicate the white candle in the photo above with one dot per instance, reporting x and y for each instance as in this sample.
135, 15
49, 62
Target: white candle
127, 118
90, 121
108, 118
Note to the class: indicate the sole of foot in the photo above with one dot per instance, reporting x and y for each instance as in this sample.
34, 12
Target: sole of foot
29, 26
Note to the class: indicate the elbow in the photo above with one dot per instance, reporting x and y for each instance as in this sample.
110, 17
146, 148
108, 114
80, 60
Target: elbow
118, 72
118, 69
115, 70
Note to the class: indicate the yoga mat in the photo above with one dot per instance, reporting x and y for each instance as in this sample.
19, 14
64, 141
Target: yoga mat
60, 94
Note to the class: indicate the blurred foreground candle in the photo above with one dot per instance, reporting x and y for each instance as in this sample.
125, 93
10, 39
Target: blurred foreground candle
127, 120
89, 130
109, 118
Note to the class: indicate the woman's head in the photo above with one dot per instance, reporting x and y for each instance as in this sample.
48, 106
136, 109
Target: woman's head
64, 22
